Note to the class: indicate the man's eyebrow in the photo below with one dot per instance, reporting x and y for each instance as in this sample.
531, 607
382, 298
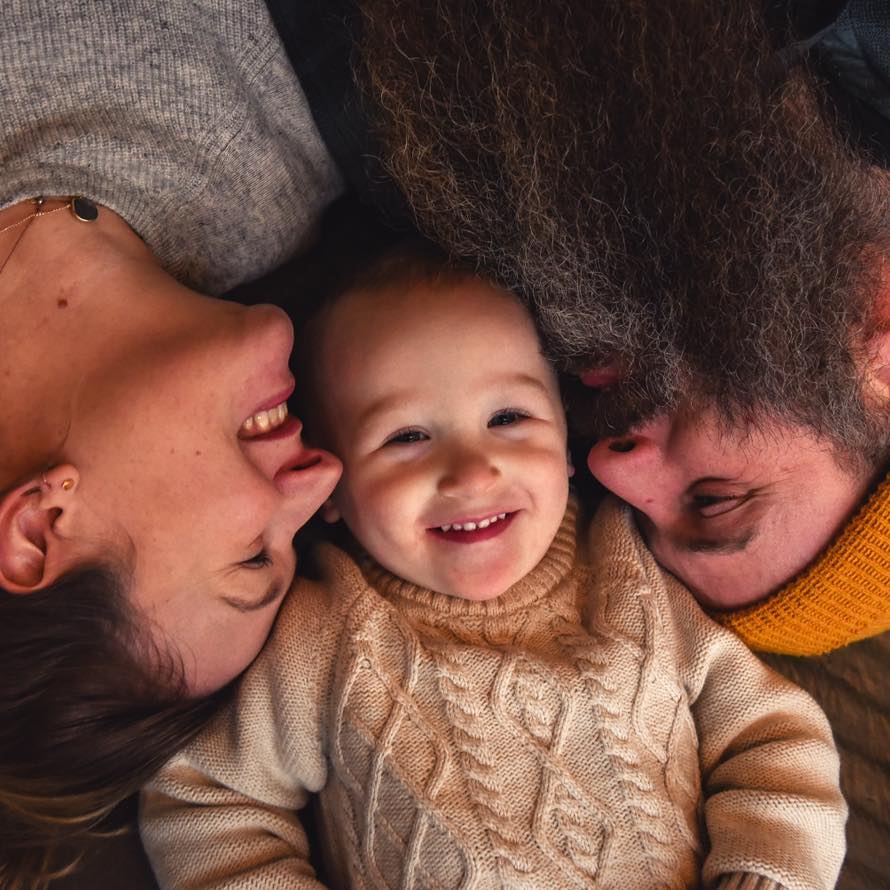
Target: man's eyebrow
721, 546
243, 605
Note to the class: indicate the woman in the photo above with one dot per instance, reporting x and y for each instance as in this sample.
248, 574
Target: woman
151, 480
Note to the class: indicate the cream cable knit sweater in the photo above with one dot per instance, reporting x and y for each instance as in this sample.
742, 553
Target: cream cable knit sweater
579, 731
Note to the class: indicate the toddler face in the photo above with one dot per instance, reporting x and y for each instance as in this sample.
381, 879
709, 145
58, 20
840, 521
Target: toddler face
451, 430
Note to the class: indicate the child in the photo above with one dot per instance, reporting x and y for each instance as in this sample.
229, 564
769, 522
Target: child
482, 696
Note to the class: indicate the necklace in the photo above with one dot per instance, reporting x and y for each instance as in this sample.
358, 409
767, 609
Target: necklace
81, 209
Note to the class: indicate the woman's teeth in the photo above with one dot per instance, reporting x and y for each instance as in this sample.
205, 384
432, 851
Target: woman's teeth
472, 526
264, 421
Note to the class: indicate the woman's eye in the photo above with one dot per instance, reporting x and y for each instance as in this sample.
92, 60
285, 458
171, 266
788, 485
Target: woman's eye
406, 437
258, 561
507, 417
710, 505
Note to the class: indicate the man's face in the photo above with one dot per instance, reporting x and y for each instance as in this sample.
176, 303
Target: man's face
652, 182
733, 514
451, 431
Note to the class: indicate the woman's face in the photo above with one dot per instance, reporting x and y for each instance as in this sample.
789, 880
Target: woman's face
179, 461
732, 515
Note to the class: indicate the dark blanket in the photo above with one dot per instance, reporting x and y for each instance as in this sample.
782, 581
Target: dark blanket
853, 687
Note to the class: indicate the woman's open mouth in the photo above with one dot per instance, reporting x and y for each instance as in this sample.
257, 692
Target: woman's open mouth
263, 422
474, 530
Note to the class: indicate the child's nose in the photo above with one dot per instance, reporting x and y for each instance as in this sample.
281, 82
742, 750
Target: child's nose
469, 472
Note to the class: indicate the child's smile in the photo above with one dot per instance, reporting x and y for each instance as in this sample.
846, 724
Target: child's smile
451, 429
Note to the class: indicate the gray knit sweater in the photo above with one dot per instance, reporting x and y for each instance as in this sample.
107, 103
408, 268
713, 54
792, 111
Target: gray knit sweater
184, 116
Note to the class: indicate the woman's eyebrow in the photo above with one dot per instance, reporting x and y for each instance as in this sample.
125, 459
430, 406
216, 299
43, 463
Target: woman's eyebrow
243, 605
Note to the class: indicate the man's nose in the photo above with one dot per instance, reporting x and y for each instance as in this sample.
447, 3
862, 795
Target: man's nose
469, 471
635, 466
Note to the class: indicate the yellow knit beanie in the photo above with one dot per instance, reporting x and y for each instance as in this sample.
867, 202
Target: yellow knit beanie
842, 597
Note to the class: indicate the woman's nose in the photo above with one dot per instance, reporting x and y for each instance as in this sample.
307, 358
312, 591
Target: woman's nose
468, 472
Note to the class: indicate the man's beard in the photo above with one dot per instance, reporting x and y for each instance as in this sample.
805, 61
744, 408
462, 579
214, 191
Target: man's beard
661, 194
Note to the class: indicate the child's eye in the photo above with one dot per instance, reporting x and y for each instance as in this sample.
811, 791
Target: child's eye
406, 437
507, 417
259, 561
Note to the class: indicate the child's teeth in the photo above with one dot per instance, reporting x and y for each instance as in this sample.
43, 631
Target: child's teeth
472, 526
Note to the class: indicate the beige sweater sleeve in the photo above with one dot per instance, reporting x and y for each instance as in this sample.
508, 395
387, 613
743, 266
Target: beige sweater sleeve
222, 813
769, 768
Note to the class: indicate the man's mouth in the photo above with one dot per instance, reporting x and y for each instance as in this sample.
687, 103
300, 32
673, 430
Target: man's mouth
473, 530
603, 376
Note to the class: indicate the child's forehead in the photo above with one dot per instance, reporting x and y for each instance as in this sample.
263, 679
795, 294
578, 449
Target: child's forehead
427, 307
424, 337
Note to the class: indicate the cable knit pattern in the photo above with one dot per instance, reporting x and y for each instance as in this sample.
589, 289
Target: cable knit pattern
579, 731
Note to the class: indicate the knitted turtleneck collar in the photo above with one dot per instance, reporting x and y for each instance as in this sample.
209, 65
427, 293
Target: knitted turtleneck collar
842, 597
549, 572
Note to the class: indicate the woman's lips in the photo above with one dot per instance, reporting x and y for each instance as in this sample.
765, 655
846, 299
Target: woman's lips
463, 536
278, 398
304, 465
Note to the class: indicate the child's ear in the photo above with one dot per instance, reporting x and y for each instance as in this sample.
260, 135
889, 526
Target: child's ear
329, 511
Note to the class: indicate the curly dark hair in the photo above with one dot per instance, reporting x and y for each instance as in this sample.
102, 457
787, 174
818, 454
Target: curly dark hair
89, 710
656, 185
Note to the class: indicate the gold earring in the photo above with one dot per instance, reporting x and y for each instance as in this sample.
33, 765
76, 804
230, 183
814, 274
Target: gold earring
67, 484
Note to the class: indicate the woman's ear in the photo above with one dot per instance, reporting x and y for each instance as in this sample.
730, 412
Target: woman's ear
32, 517
329, 511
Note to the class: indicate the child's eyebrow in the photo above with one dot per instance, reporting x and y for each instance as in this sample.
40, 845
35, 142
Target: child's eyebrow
394, 400
389, 402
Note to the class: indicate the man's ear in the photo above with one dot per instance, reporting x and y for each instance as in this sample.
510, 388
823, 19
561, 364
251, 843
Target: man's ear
877, 349
33, 519
877, 368
329, 511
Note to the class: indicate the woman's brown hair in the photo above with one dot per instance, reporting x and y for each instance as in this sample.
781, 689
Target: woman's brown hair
89, 710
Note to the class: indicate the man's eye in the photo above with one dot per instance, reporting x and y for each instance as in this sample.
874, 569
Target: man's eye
507, 417
710, 505
258, 561
406, 437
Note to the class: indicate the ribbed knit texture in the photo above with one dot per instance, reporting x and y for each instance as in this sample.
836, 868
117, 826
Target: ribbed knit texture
843, 597
574, 733
183, 116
